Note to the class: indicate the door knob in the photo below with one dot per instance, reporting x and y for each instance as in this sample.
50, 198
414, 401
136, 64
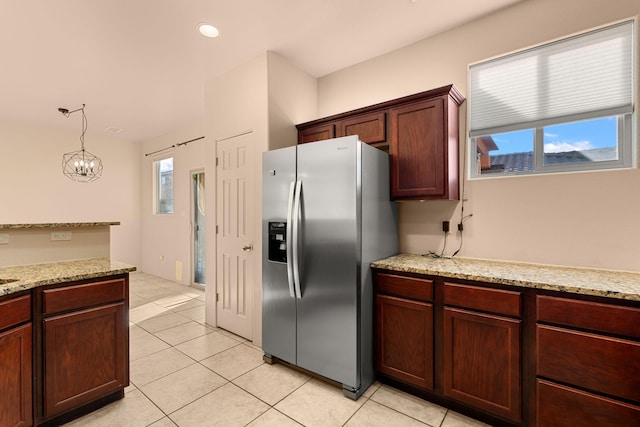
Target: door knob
247, 248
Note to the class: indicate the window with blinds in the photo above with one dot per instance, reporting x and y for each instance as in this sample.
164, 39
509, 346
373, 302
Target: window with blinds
562, 106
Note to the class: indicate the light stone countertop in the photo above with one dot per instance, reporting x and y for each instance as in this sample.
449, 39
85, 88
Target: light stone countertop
34, 275
58, 225
595, 282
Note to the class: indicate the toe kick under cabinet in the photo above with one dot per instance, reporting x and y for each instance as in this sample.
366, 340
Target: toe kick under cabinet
509, 355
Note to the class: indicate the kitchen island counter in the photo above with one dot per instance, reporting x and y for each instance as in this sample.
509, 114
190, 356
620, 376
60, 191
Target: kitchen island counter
585, 281
23, 277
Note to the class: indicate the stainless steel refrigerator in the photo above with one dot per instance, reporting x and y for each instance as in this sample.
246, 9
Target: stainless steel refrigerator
326, 215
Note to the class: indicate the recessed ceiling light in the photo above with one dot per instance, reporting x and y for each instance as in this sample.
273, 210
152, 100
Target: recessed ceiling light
208, 30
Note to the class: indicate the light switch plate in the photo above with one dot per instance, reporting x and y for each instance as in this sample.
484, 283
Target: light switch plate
60, 235
4, 239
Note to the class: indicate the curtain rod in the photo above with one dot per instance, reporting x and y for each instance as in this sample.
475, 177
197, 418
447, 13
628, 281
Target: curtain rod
174, 146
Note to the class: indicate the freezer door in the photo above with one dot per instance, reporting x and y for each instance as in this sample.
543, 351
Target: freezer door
278, 306
327, 332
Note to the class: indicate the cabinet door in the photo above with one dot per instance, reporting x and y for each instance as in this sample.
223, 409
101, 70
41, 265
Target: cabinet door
417, 150
482, 361
85, 356
15, 377
317, 133
371, 128
404, 340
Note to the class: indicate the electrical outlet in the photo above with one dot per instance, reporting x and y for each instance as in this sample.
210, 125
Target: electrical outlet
57, 236
445, 226
4, 239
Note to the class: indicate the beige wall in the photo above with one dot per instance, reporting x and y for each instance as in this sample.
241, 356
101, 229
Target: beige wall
578, 219
166, 239
34, 190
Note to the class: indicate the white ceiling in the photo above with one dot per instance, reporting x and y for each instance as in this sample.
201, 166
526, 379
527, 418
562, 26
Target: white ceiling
141, 65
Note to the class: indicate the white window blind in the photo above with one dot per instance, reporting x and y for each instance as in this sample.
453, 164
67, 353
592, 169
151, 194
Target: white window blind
582, 77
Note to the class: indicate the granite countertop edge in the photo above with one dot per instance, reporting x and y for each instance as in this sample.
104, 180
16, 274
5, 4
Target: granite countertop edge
25, 277
58, 225
585, 281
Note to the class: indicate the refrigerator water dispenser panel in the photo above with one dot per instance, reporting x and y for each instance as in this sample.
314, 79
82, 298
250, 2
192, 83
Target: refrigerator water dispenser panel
277, 241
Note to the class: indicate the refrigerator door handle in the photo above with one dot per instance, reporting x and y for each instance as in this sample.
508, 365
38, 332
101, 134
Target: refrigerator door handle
296, 238
292, 292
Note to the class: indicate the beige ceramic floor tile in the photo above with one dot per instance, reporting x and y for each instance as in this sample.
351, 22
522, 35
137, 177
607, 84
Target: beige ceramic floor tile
271, 383
172, 300
319, 404
207, 345
153, 292
155, 366
146, 311
164, 422
165, 321
182, 387
186, 305
142, 343
185, 332
410, 405
373, 414
453, 419
273, 418
235, 361
136, 300
372, 389
226, 406
131, 411
194, 313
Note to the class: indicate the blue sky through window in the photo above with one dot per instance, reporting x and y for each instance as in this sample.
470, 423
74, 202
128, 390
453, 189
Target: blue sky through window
577, 136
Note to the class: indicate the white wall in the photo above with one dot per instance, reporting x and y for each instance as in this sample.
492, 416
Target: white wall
34, 190
579, 219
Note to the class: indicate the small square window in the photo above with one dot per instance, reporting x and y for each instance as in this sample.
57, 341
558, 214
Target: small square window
164, 186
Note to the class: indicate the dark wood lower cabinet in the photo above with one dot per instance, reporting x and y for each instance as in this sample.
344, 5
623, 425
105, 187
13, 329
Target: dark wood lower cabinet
482, 364
508, 355
85, 357
81, 347
16, 377
404, 346
562, 406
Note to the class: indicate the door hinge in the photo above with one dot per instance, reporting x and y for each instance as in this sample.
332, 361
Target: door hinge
216, 229
216, 161
217, 297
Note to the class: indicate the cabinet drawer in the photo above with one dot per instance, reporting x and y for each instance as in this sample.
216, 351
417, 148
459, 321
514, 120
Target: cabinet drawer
78, 296
15, 311
370, 128
559, 406
599, 317
409, 287
486, 299
595, 362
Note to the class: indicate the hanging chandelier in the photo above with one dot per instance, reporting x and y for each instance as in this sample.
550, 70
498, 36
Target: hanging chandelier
81, 165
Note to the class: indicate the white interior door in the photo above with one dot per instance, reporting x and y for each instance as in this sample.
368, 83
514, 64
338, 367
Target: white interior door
234, 237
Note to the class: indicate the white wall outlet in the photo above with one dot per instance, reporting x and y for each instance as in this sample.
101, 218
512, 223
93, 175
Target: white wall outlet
4, 239
60, 235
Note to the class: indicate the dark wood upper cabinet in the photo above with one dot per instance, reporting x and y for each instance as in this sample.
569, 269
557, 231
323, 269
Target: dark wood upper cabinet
419, 131
317, 133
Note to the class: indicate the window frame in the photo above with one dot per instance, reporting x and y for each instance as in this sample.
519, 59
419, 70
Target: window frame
157, 187
624, 145
627, 127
